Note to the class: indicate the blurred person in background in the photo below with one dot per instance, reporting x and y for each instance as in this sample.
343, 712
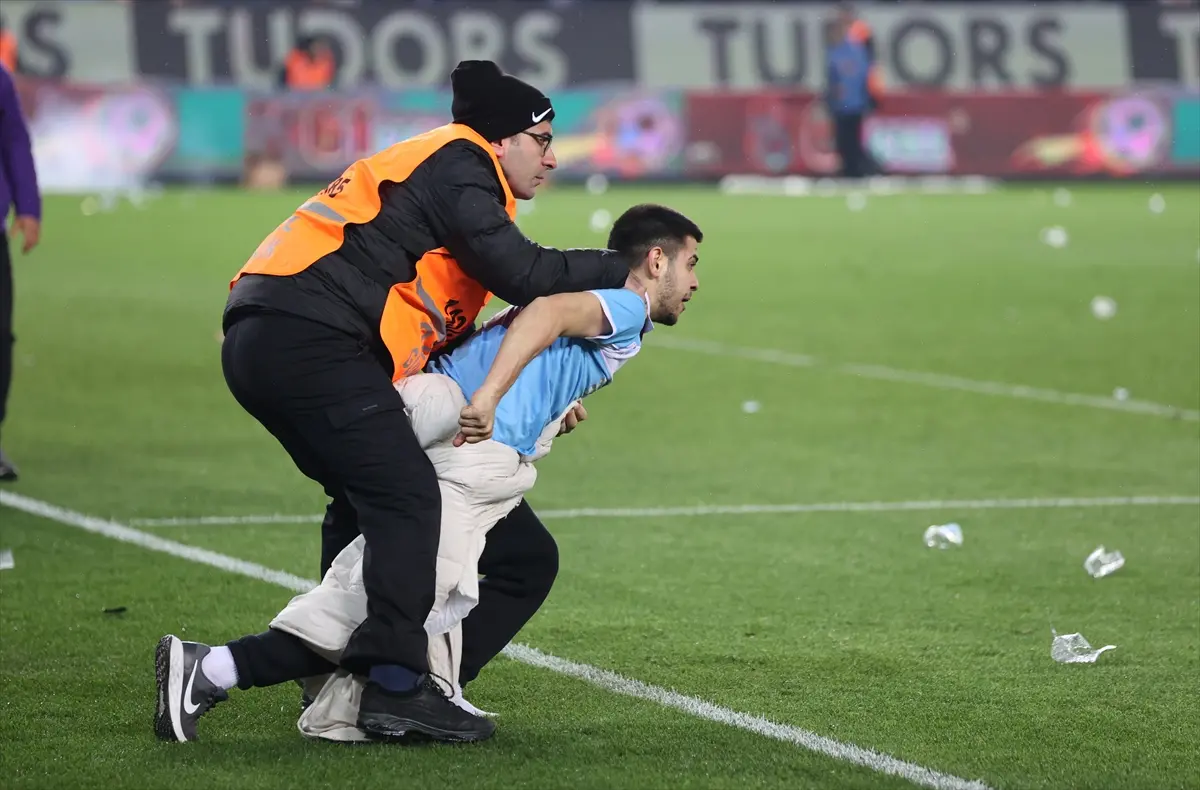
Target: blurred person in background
857, 30
387, 266
8, 49
847, 96
19, 188
310, 66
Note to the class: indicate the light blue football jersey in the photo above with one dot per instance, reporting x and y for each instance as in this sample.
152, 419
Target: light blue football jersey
570, 369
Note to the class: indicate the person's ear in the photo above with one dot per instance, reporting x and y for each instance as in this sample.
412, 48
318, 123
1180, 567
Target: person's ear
656, 262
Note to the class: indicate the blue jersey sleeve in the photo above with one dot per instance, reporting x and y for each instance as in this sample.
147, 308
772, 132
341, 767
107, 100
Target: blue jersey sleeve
627, 314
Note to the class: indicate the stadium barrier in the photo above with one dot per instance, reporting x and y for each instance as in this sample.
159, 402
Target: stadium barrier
96, 137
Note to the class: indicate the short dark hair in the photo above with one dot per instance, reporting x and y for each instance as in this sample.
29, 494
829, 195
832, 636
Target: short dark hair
650, 225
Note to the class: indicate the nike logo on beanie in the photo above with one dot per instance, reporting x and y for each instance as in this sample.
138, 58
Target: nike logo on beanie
495, 104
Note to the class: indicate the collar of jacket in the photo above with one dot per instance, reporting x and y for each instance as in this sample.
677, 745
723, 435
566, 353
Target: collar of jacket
467, 133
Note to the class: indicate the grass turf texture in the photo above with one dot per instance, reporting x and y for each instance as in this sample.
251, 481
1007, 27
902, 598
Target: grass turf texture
839, 623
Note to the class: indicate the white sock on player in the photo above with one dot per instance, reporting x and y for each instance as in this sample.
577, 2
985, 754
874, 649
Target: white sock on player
219, 668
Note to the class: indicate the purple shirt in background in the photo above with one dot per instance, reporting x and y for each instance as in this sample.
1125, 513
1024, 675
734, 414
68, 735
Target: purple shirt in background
18, 179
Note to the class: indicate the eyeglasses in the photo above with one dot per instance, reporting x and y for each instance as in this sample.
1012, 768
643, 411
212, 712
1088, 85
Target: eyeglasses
544, 139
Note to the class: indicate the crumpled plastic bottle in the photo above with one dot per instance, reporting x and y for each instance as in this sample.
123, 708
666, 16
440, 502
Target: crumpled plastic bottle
1101, 563
1074, 649
943, 536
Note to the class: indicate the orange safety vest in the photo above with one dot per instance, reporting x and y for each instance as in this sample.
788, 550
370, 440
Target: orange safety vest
309, 73
8, 51
419, 316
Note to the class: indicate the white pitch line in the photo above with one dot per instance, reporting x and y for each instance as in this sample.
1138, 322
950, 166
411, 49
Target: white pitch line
610, 681
215, 521
935, 380
847, 752
872, 507
111, 529
736, 510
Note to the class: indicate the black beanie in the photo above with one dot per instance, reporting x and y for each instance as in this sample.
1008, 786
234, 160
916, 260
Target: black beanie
495, 104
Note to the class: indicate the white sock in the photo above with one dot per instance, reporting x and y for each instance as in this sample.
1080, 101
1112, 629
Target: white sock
219, 668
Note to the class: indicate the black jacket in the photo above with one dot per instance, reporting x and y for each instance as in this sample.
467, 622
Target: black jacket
454, 199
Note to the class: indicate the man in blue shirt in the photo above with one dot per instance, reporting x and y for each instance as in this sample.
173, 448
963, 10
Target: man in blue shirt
848, 97
484, 413
525, 367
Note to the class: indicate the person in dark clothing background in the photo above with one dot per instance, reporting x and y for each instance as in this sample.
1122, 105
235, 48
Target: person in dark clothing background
847, 98
387, 265
18, 188
858, 31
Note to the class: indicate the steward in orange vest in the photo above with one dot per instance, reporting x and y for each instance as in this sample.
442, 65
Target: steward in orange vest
309, 67
388, 264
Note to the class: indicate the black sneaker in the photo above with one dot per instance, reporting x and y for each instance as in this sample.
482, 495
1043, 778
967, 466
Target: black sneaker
184, 693
8, 470
427, 711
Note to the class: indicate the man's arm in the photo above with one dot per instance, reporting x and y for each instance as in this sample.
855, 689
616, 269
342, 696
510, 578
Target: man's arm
16, 157
533, 331
464, 202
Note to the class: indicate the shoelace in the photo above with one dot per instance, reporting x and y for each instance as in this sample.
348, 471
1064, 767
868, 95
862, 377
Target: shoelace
437, 686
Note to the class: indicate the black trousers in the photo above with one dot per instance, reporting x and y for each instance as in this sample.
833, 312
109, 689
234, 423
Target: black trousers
7, 338
519, 563
848, 136
326, 398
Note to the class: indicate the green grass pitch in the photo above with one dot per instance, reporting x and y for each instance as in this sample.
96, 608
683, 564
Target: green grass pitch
903, 334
